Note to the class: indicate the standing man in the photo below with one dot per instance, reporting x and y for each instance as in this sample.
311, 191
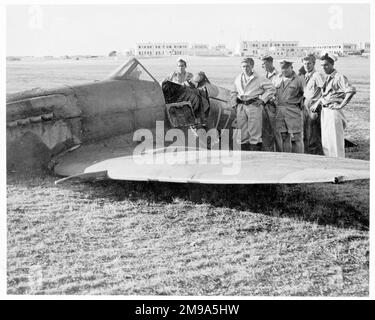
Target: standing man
251, 92
311, 126
289, 94
270, 143
180, 76
336, 94
267, 65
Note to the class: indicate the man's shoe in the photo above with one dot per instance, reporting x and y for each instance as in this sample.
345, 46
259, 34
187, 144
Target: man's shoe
246, 147
256, 147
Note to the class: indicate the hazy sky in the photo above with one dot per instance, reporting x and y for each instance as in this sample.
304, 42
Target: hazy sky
98, 29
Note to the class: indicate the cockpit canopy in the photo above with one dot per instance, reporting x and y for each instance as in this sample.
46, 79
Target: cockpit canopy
131, 70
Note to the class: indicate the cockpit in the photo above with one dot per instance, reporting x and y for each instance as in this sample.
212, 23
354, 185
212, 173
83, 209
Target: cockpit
185, 105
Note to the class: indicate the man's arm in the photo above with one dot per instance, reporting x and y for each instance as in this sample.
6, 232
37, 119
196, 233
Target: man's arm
189, 76
349, 90
315, 107
188, 81
302, 85
348, 97
319, 82
269, 90
168, 78
233, 97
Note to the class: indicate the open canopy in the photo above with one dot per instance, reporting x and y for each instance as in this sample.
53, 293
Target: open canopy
131, 70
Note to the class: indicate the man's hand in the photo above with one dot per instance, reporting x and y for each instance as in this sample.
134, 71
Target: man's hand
259, 102
272, 101
233, 100
338, 106
335, 106
315, 107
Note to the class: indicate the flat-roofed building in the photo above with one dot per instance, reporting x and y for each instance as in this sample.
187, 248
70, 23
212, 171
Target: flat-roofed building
199, 49
349, 48
341, 49
364, 47
161, 49
302, 51
203, 49
221, 49
275, 48
367, 47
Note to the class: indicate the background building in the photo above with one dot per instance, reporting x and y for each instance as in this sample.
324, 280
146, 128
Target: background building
180, 49
199, 49
161, 49
275, 48
302, 51
205, 50
221, 49
256, 48
292, 49
365, 47
341, 49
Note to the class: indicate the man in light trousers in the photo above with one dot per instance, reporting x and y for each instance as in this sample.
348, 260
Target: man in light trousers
251, 92
336, 94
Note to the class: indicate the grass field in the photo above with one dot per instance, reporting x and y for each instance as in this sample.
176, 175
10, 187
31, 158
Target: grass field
139, 238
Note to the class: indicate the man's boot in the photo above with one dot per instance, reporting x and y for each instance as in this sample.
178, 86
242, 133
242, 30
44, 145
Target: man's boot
256, 147
246, 147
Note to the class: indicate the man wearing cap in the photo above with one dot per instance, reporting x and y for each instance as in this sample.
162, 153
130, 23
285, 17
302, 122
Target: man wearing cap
270, 143
180, 76
336, 94
289, 94
313, 84
251, 92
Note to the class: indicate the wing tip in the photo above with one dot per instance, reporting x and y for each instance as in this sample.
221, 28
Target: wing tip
87, 176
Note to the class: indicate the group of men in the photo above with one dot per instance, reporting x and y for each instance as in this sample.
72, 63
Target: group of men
286, 112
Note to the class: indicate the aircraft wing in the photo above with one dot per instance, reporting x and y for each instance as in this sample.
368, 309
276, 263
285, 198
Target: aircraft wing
178, 164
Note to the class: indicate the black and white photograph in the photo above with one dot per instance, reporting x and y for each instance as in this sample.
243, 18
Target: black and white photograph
187, 150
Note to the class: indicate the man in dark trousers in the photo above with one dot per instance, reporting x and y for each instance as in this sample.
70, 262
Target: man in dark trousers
289, 94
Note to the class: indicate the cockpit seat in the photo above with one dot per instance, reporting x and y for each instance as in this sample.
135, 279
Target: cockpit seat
197, 98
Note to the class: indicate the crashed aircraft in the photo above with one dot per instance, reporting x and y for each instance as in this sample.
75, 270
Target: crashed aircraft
89, 131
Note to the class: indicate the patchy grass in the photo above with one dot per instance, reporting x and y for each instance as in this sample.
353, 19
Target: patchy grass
174, 239
138, 238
